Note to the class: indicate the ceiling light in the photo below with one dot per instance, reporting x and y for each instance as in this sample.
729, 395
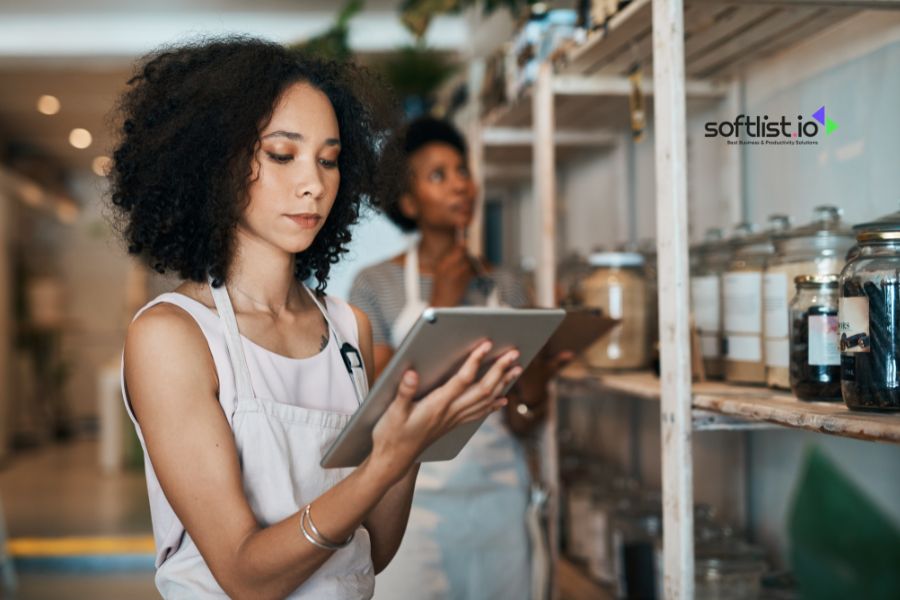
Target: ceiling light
101, 165
48, 105
80, 138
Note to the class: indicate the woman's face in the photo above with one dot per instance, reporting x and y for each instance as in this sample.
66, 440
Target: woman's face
441, 193
295, 176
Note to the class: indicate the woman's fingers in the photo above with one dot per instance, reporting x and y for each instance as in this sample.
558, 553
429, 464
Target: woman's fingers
407, 389
467, 373
481, 410
487, 388
508, 378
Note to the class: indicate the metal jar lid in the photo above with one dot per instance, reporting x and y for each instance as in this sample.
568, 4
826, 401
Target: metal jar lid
882, 229
616, 260
814, 281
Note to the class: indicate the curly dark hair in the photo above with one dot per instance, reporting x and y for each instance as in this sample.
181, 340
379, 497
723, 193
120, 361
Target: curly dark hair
190, 123
412, 138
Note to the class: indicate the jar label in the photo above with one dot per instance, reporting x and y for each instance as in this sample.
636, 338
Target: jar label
778, 353
746, 348
824, 341
743, 302
710, 345
854, 324
705, 303
775, 300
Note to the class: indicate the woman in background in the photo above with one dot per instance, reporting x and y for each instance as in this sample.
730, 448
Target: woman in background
467, 536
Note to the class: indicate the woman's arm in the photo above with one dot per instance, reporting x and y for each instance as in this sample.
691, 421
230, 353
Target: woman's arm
172, 386
386, 522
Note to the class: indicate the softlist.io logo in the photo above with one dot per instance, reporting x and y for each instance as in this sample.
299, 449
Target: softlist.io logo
764, 130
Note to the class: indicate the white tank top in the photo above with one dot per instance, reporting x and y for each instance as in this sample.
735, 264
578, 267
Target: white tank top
284, 413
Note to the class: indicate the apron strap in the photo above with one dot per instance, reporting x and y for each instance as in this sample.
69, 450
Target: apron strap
350, 355
411, 275
233, 341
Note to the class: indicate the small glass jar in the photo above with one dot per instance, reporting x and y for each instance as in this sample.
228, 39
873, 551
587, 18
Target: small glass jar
617, 286
870, 318
637, 550
742, 294
815, 365
728, 569
818, 248
709, 261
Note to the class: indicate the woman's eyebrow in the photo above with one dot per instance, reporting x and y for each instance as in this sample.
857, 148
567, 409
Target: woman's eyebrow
297, 137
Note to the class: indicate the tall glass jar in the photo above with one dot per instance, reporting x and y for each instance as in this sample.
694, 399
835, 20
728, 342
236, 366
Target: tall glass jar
870, 318
709, 261
818, 248
743, 306
815, 343
617, 286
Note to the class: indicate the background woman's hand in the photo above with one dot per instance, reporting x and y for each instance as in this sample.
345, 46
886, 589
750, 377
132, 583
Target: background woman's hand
408, 427
528, 399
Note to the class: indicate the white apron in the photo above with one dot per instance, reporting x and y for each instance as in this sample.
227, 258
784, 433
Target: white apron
279, 446
467, 537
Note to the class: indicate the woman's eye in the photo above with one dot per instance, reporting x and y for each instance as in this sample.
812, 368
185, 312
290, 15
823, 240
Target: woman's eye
464, 172
328, 164
280, 158
436, 176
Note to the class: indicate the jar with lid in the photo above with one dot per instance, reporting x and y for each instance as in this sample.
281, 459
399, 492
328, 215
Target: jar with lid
818, 248
869, 315
617, 286
709, 260
815, 342
742, 301
728, 569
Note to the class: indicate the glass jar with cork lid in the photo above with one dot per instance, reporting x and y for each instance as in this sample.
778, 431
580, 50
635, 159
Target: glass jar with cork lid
869, 318
742, 294
618, 287
817, 248
709, 261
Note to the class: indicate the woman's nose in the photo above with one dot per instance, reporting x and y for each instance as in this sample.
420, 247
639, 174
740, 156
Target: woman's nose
310, 182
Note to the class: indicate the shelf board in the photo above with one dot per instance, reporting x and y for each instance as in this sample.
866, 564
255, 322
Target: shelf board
574, 584
720, 405
720, 37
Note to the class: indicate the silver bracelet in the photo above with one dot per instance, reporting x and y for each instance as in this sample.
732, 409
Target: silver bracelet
316, 538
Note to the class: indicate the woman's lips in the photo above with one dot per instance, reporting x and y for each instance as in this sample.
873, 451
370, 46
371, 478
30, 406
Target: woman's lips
306, 220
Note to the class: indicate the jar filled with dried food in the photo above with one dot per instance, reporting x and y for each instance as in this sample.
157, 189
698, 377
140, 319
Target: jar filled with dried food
617, 286
742, 302
708, 263
818, 248
870, 318
815, 342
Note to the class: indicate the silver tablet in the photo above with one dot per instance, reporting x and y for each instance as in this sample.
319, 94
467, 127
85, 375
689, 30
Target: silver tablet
435, 348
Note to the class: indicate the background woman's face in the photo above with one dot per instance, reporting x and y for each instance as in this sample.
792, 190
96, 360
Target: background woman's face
295, 176
441, 192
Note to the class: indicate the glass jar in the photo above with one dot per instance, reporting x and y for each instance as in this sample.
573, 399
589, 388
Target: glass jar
869, 316
818, 248
815, 365
709, 261
637, 552
728, 569
617, 286
742, 302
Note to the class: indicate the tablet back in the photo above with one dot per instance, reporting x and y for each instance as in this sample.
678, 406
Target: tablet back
435, 348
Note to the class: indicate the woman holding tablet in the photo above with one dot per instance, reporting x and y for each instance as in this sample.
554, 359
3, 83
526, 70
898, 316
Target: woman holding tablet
241, 168
467, 535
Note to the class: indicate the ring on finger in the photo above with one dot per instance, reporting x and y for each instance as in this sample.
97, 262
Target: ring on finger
524, 410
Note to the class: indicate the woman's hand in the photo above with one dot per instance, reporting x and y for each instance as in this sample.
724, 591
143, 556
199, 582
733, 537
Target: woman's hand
409, 427
451, 277
528, 399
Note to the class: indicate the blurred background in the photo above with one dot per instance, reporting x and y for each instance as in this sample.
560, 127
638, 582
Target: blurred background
73, 502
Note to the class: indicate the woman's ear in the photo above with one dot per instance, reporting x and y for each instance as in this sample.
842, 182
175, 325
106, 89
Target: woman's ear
408, 206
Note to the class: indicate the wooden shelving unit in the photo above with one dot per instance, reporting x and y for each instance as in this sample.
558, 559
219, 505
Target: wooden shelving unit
746, 405
690, 52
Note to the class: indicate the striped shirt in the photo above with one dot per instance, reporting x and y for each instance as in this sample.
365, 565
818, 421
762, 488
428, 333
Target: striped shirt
379, 292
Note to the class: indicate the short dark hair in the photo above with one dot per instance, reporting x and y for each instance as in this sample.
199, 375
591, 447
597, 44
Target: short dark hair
415, 136
190, 124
